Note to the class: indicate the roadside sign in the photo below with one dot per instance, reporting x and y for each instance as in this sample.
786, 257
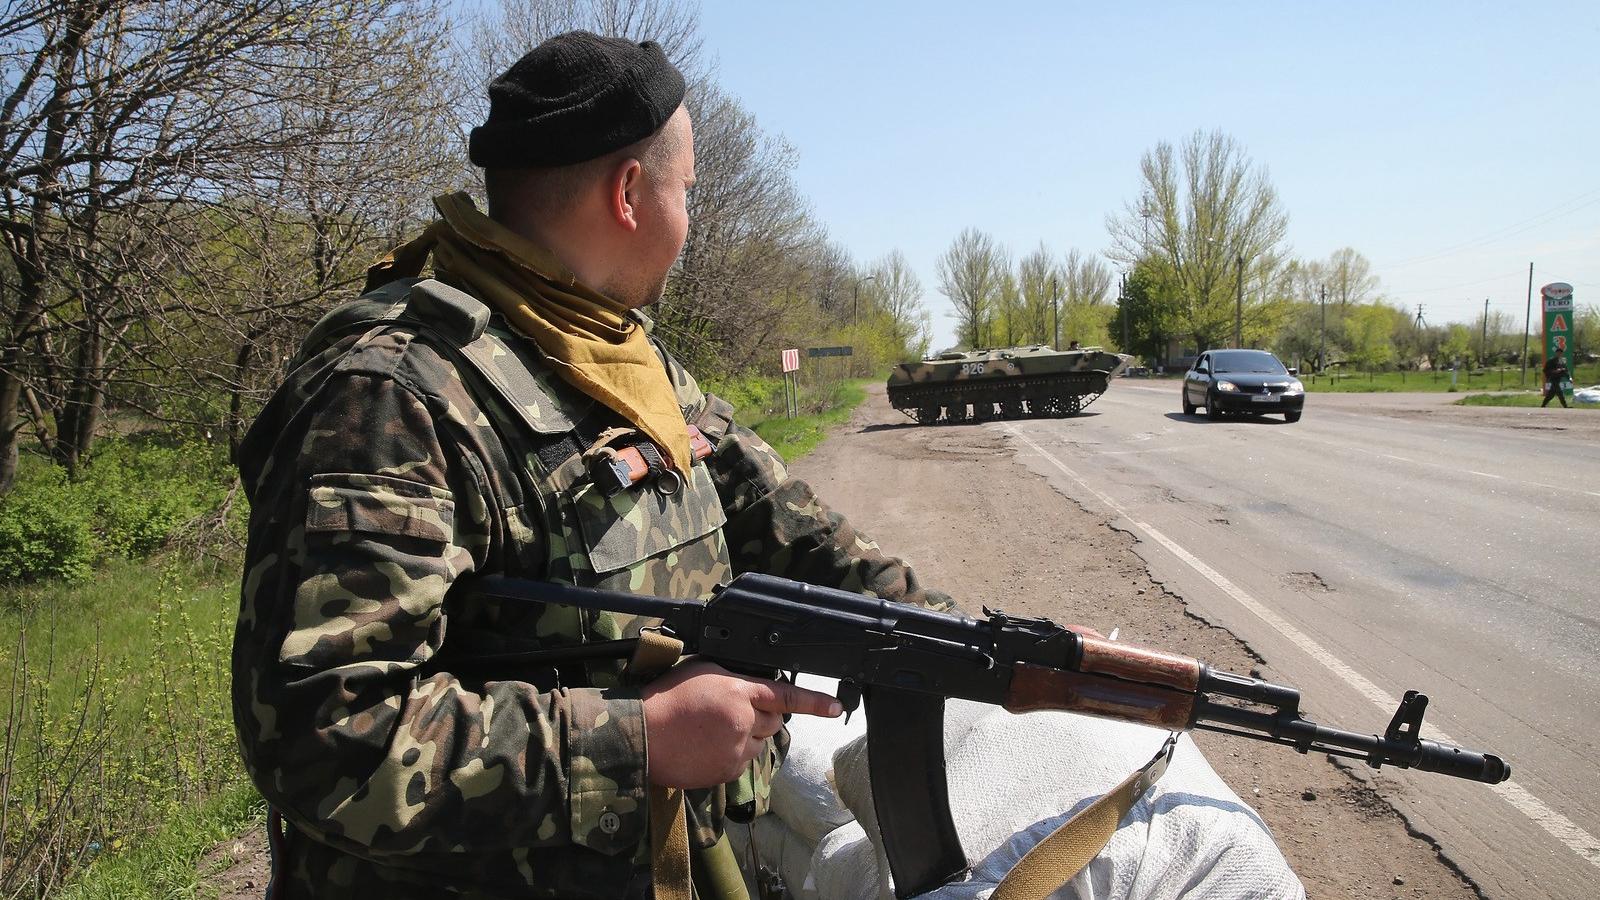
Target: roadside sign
829, 351
1557, 322
791, 360
1557, 295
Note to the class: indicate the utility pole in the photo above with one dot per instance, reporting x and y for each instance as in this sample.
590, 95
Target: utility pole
855, 299
1122, 299
1238, 305
1527, 325
1322, 348
1418, 322
1055, 307
1483, 342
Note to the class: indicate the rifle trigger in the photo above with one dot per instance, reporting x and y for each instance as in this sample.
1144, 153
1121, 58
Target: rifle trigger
849, 697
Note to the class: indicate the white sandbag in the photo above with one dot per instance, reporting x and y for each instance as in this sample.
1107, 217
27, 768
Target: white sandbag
802, 792
1587, 395
846, 867
777, 847
1013, 778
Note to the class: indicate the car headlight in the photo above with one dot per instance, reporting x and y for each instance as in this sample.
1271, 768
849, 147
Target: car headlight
1227, 387
1295, 387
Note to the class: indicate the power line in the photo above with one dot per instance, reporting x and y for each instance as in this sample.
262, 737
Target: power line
1452, 287
1564, 208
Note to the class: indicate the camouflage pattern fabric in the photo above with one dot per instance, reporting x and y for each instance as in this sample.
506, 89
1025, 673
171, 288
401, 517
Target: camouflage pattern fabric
380, 474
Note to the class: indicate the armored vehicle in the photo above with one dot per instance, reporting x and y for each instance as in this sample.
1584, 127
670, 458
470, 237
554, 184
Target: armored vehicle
1007, 383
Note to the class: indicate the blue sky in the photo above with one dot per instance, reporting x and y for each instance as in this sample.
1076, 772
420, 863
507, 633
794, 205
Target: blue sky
1451, 143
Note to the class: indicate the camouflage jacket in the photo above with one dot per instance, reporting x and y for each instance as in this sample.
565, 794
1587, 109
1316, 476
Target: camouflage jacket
388, 467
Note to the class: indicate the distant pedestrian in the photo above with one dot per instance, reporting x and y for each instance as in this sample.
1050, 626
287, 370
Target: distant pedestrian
1074, 346
1555, 380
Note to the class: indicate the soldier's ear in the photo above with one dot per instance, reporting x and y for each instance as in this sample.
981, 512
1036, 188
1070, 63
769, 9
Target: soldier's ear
625, 185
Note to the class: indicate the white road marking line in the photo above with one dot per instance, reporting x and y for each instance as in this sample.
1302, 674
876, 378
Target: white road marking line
1558, 826
1484, 474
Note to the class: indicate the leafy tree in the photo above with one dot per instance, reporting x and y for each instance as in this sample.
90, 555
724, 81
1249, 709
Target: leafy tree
1370, 330
1152, 309
1206, 217
1456, 347
1585, 331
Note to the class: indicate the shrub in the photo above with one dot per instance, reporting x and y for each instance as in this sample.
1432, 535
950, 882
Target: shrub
45, 529
754, 397
142, 494
131, 497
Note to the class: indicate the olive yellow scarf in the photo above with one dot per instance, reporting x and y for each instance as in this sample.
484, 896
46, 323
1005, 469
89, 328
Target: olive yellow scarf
587, 337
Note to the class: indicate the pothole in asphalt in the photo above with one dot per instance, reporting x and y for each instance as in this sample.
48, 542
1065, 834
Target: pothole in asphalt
1306, 581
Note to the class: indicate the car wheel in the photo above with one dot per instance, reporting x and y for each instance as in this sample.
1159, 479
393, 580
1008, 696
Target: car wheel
1188, 408
1292, 416
1213, 412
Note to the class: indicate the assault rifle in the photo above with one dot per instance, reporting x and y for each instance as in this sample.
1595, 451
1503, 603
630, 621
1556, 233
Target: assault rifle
905, 660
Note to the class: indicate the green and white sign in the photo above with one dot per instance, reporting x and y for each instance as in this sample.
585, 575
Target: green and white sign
1557, 299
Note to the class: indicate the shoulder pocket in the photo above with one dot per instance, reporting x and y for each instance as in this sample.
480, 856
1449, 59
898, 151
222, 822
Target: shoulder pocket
380, 504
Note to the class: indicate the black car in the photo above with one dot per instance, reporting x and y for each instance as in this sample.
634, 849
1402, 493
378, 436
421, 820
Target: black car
1247, 381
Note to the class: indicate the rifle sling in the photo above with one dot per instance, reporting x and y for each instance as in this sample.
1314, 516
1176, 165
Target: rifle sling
1065, 852
905, 756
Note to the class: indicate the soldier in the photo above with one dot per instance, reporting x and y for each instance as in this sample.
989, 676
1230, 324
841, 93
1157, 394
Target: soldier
485, 421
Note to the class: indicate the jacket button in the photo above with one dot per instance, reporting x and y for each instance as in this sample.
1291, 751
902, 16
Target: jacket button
610, 822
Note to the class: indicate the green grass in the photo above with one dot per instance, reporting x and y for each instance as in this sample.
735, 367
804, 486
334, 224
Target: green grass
794, 438
124, 616
1508, 378
165, 865
758, 404
119, 719
1522, 400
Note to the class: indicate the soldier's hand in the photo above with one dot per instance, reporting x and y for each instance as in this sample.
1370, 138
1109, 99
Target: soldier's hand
704, 724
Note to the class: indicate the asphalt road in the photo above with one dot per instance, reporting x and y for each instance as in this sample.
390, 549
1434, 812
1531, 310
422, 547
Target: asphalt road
1380, 544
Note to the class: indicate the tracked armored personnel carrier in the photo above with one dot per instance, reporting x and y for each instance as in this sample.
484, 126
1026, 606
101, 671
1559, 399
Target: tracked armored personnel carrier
1007, 383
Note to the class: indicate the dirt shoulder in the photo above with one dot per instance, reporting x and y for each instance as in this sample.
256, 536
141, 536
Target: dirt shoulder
987, 530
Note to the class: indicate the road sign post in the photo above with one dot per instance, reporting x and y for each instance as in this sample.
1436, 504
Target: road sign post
791, 383
815, 352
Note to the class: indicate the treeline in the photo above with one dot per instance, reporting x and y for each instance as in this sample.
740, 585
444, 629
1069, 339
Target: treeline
1041, 299
188, 184
1204, 249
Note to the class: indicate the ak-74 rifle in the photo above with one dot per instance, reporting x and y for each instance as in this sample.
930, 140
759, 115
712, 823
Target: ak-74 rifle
905, 660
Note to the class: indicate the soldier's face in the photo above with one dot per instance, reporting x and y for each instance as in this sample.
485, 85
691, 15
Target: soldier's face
663, 216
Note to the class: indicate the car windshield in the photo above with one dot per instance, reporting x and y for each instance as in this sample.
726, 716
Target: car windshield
1247, 361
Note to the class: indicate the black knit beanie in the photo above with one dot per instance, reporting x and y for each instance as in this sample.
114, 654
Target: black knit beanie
575, 97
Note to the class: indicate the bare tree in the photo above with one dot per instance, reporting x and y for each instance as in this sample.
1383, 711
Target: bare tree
1039, 283
1085, 280
130, 133
1085, 284
1200, 211
896, 294
504, 34
752, 250
970, 274
1349, 278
